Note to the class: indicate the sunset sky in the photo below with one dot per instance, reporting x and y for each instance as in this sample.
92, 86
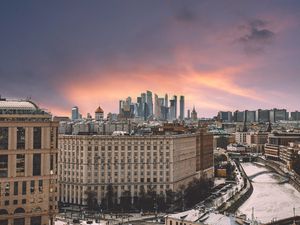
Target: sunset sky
222, 55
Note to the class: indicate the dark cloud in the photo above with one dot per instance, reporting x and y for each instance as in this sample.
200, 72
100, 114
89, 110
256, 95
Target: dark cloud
184, 14
256, 36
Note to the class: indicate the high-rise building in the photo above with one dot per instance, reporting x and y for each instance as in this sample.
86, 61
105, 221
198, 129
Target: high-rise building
166, 101
156, 107
175, 103
225, 116
189, 114
263, 115
139, 107
172, 110
149, 101
121, 105
28, 170
181, 112
75, 113
239, 116
295, 115
250, 116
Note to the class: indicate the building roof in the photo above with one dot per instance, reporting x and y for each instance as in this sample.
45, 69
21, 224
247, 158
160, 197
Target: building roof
17, 105
99, 110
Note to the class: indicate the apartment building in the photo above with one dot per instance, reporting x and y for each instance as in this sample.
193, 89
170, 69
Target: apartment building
28, 152
129, 163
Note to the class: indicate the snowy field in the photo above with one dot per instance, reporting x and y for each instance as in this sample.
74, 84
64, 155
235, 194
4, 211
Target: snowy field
269, 199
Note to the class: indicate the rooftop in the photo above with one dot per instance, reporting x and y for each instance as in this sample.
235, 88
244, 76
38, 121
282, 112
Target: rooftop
19, 107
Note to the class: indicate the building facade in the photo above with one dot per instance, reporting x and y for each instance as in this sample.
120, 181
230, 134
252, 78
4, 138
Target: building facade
129, 163
28, 175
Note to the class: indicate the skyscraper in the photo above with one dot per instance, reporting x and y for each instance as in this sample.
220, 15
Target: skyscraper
156, 107
75, 113
172, 110
175, 105
166, 101
181, 113
149, 103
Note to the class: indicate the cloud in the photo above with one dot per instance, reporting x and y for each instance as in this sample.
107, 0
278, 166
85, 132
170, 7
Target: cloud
255, 36
184, 14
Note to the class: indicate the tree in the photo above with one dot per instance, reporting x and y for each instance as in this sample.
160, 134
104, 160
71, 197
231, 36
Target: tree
109, 196
125, 201
91, 200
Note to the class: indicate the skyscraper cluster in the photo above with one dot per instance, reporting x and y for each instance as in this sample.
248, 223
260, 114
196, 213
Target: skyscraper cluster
149, 106
260, 115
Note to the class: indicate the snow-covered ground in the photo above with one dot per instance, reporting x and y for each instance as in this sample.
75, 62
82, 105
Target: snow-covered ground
269, 199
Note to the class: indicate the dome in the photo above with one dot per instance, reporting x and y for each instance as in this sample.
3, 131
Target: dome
99, 110
18, 105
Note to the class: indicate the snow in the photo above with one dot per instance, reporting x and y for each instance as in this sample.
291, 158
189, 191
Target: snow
208, 218
63, 222
269, 199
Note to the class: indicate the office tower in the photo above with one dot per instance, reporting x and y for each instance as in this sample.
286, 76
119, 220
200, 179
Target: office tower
175, 105
166, 101
189, 114
99, 114
75, 113
139, 107
278, 114
161, 103
121, 105
149, 103
145, 111
295, 116
144, 104
28, 170
181, 112
225, 116
172, 110
250, 116
156, 107
239, 116
128, 100
123, 162
263, 115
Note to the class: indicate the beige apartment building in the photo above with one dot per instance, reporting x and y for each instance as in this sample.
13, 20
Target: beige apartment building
28, 174
129, 163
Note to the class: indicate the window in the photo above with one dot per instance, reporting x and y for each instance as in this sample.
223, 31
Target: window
24, 188
36, 220
16, 187
3, 138
36, 162
32, 186
40, 186
20, 138
51, 162
3, 165
37, 138
20, 165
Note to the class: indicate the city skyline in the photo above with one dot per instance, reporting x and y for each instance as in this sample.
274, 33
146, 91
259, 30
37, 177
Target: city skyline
220, 56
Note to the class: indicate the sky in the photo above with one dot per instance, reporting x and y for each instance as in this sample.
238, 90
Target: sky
221, 55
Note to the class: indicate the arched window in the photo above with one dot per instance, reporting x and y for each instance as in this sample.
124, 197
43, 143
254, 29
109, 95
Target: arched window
3, 212
19, 210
